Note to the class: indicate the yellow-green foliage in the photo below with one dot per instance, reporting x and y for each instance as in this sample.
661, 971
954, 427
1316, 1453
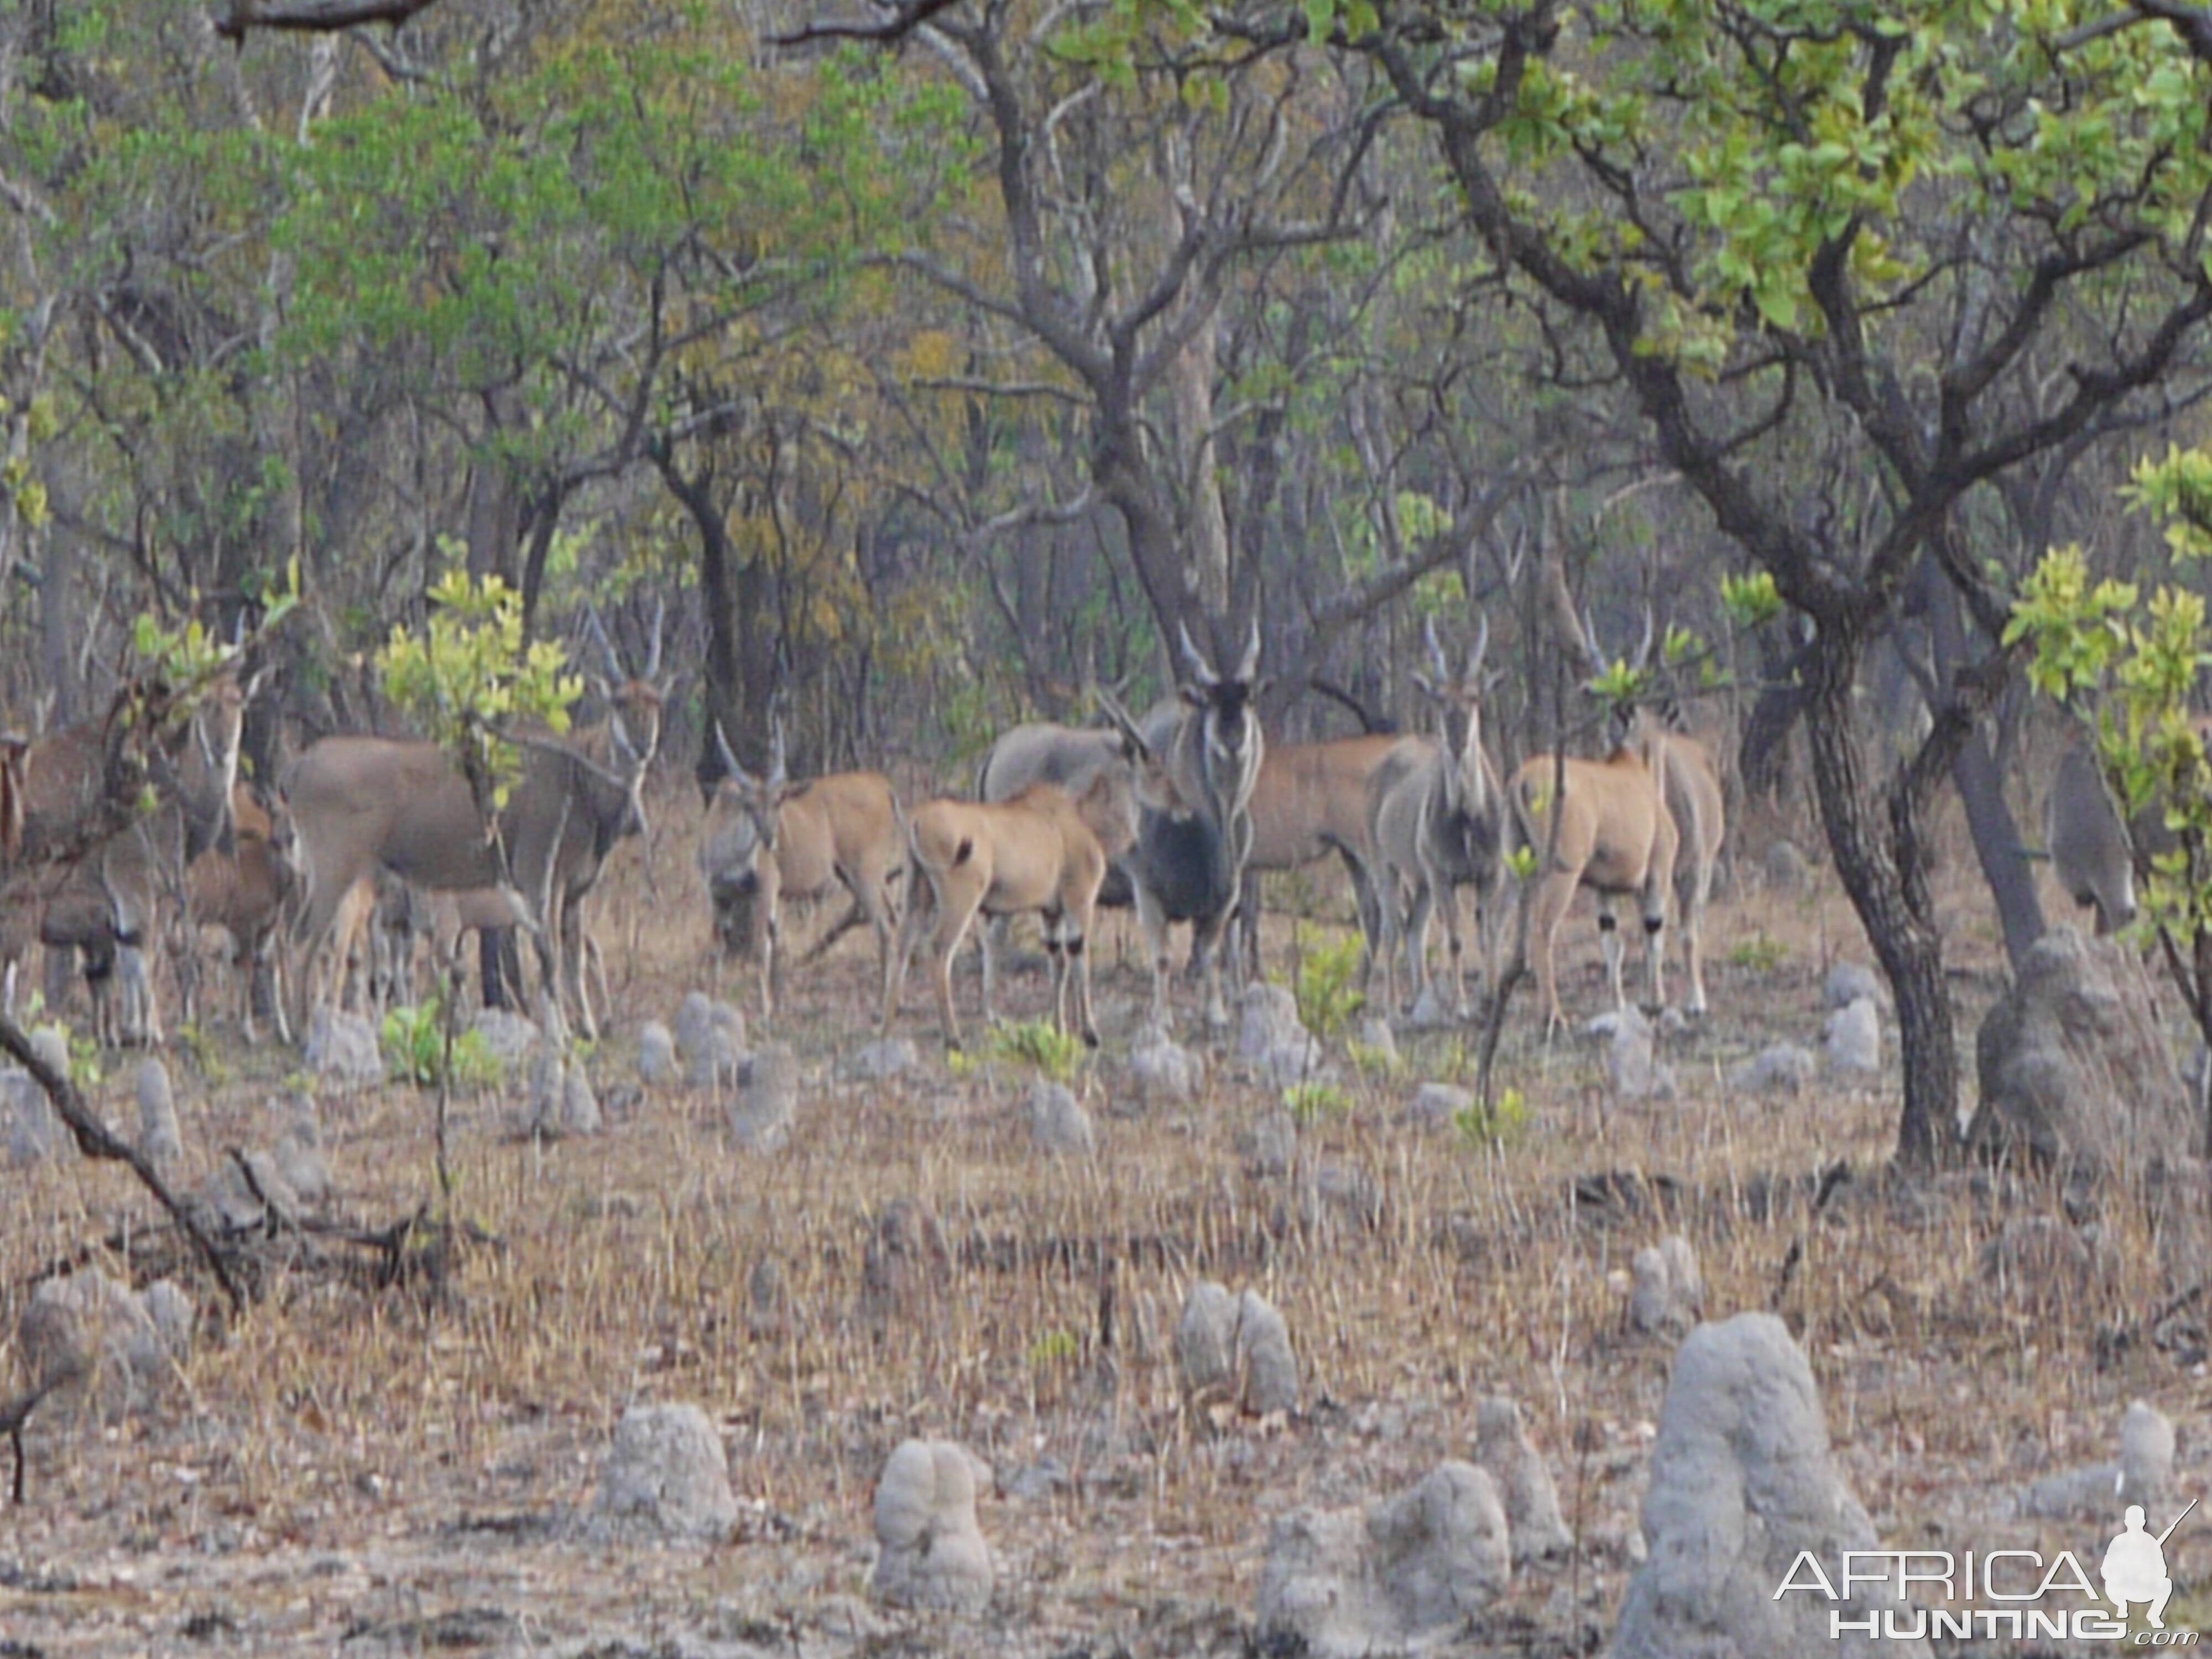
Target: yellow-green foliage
414, 1048
1310, 1103
1763, 954
1328, 1000
1500, 1124
1041, 1043
469, 674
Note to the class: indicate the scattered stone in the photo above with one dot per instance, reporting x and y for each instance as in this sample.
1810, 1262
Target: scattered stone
1669, 1292
1344, 1188
767, 1305
35, 1131
159, 1137
1037, 1480
906, 1262
1741, 1481
1431, 1011
561, 1102
666, 1476
711, 1037
656, 1054
99, 1331
1787, 870
1295, 1063
884, 1058
1236, 1350
1206, 1343
1267, 1019
1524, 1485
342, 1049
1412, 1570
1781, 1068
173, 1316
2073, 1065
1630, 1057
931, 1551
1269, 1144
51, 1044
1059, 1127
2039, 1253
1854, 1039
1853, 981
1379, 1040
299, 1155
767, 1099
2146, 1455
1438, 1105
1163, 1070
506, 1036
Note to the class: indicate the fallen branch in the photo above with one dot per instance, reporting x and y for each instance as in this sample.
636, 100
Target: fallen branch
96, 1140
312, 16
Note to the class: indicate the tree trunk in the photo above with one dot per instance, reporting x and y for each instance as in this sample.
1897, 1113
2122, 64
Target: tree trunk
1887, 880
1762, 753
1981, 784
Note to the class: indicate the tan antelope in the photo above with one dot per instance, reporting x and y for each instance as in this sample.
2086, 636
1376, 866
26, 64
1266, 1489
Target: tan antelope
1310, 800
1044, 850
1615, 836
1690, 782
1436, 819
768, 840
360, 802
241, 892
94, 872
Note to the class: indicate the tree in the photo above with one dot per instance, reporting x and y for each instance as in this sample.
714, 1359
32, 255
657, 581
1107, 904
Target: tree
1823, 240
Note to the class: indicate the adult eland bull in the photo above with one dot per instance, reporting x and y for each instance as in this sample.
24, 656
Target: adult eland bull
361, 802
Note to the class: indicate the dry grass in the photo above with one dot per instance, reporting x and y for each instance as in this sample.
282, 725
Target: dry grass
339, 1460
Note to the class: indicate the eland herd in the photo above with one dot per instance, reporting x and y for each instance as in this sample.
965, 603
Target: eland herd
366, 844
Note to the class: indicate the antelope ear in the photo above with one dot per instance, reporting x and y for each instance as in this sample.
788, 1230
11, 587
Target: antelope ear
1428, 686
1193, 694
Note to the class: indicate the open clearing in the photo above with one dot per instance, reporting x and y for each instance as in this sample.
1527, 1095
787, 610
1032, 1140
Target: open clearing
346, 1472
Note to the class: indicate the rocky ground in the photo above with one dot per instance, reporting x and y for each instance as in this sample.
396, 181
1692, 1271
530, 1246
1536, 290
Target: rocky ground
352, 1469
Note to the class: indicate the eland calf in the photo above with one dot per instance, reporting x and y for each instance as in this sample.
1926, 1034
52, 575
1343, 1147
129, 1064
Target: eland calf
1044, 850
1614, 835
1436, 819
766, 840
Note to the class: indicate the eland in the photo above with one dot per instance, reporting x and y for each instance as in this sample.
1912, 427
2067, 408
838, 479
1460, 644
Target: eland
766, 840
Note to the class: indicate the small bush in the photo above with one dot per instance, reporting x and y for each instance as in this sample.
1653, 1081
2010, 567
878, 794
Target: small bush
1041, 1043
1327, 998
1309, 1103
1762, 955
413, 1041
1500, 1124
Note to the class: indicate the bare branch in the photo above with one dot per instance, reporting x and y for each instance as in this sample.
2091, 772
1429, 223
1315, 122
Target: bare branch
312, 16
903, 21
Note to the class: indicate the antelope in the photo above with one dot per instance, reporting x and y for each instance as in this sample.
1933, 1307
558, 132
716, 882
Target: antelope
767, 840
1308, 800
1615, 836
100, 893
241, 891
360, 802
1044, 850
1436, 821
1188, 862
1690, 783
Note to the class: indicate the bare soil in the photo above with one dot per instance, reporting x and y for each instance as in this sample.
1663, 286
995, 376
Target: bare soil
352, 1471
